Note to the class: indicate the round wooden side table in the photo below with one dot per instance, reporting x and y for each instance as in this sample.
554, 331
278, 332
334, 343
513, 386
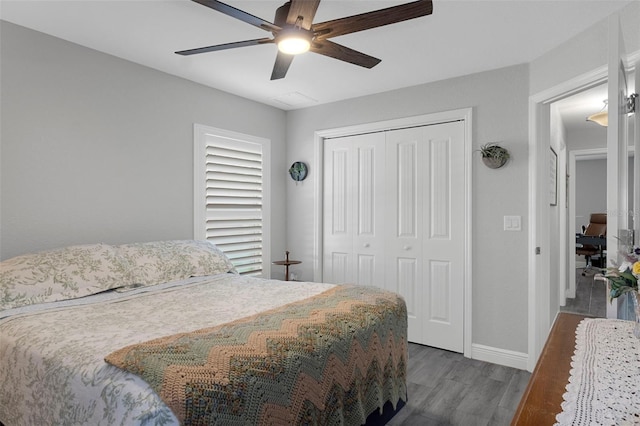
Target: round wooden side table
286, 262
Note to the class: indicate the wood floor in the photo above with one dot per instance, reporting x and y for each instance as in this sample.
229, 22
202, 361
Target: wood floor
445, 388
591, 296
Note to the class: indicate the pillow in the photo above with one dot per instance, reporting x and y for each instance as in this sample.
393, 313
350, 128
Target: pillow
164, 261
64, 273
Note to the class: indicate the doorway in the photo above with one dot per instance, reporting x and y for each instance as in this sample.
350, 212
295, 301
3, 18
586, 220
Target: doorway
542, 309
587, 195
586, 144
586, 181
543, 296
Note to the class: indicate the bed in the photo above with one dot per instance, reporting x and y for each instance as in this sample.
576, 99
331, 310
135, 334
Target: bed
168, 333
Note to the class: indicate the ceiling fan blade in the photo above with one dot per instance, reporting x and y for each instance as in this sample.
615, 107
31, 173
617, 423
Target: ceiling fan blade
376, 18
280, 68
343, 53
239, 14
225, 46
305, 8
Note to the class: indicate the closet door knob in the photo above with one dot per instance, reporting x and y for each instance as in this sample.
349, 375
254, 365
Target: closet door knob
365, 245
407, 247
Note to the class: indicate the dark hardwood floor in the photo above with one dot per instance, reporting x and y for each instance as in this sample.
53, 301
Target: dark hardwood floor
445, 388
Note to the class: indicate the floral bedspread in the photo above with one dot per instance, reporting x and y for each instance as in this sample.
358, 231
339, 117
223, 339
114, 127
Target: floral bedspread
52, 368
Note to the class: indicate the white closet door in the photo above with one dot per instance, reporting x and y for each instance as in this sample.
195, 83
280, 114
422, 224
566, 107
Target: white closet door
353, 208
404, 232
425, 243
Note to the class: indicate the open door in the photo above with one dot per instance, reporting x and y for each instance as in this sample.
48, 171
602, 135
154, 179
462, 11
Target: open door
636, 158
540, 310
619, 234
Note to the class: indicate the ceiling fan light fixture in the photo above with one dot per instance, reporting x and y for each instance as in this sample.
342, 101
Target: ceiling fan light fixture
602, 117
293, 30
294, 41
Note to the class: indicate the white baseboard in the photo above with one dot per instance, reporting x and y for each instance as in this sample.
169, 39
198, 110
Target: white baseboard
570, 293
499, 356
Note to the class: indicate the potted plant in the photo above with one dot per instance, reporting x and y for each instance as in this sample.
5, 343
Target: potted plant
493, 155
624, 279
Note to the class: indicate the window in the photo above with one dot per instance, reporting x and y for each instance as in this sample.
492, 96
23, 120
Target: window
231, 196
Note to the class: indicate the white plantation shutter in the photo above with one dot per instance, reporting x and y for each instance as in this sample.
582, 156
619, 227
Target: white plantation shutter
234, 197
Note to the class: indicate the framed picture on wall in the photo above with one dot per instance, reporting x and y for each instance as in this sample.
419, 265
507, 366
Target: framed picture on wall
553, 178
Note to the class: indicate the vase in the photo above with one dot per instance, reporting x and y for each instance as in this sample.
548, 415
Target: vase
494, 163
636, 307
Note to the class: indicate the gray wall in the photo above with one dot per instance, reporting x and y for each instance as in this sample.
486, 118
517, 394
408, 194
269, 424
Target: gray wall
591, 190
499, 101
98, 149
95, 148
583, 53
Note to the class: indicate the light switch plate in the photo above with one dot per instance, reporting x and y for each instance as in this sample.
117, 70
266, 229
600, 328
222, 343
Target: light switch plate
513, 223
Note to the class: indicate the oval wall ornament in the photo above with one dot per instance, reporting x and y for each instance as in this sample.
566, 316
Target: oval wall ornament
298, 171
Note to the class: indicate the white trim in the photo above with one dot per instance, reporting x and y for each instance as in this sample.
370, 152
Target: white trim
636, 146
199, 201
539, 214
499, 356
538, 281
571, 87
200, 133
539, 286
574, 156
466, 115
538, 276
562, 224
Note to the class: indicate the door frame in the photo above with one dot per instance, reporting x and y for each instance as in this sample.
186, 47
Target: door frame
539, 283
465, 115
539, 309
575, 156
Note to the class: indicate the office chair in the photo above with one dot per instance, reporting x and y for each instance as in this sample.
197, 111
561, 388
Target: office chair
597, 228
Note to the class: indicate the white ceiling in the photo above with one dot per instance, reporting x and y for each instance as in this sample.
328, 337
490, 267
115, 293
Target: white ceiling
575, 109
461, 37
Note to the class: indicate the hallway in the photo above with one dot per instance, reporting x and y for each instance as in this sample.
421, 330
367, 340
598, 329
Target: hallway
591, 297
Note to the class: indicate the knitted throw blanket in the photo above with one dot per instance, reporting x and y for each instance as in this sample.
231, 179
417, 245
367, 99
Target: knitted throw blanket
331, 359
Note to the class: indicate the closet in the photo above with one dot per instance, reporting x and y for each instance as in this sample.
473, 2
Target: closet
393, 217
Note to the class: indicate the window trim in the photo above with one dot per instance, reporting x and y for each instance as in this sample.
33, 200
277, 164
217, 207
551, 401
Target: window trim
200, 134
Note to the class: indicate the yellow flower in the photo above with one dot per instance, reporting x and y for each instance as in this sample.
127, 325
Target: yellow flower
636, 268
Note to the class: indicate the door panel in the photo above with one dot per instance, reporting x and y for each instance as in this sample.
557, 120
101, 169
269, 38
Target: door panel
368, 240
338, 234
439, 292
404, 244
353, 206
617, 143
636, 162
425, 176
405, 157
339, 271
440, 189
443, 252
367, 271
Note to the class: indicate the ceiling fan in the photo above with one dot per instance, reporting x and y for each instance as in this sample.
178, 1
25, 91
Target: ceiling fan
294, 32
